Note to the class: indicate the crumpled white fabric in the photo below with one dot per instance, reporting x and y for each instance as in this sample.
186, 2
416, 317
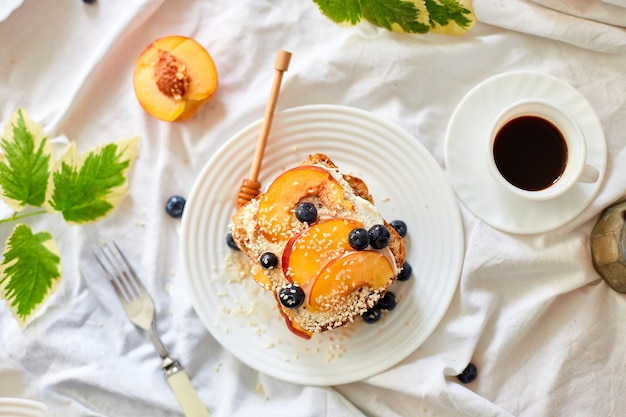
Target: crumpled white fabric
530, 311
7, 7
595, 11
590, 24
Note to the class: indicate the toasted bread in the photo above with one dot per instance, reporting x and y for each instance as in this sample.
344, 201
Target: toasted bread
314, 256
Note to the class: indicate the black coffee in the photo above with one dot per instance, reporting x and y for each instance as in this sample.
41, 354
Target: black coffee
530, 153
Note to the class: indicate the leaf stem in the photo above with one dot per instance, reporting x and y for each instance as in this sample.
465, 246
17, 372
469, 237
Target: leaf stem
16, 216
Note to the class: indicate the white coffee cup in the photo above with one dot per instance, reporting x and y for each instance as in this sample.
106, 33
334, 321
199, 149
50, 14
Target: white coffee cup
537, 151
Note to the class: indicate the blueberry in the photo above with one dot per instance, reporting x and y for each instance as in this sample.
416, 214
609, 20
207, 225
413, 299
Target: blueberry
469, 374
400, 227
407, 271
306, 213
387, 302
359, 238
372, 315
379, 236
231, 242
291, 296
175, 206
268, 260
89, 1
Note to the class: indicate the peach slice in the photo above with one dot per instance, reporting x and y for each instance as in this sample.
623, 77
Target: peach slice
307, 253
275, 216
296, 329
293, 327
174, 76
348, 273
258, 274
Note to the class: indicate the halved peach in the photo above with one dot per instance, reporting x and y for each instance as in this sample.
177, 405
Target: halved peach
348, 273
174, 76
307, 253
276, 219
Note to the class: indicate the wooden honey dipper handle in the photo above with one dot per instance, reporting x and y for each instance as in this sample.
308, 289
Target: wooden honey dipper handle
251, 187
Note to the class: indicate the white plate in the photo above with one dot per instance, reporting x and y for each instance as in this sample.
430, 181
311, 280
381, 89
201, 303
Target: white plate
465, 154
18, 407
405, 181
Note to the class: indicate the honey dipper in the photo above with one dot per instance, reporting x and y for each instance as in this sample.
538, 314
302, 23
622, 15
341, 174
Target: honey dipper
251, 187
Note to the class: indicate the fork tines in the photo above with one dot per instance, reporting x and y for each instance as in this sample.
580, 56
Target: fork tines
120, 272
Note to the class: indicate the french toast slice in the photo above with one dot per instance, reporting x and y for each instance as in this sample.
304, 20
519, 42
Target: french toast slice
298, 236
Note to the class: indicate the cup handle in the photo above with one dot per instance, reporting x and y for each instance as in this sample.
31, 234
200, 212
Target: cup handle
589, 174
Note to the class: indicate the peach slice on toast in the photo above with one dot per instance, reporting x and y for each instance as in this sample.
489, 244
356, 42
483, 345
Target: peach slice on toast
275, 217
348, 273
308, 252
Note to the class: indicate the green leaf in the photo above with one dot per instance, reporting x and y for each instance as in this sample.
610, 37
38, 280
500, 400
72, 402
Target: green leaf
341, 11
24, 163
85, 188
442, 12
30, 272
396, 15
409, 16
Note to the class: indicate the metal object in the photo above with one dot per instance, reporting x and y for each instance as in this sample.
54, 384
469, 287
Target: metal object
608, 246
139, 308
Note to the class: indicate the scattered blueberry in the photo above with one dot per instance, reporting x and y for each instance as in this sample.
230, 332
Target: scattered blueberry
89, 1
400, 227
469, 374
175, 206
231, 242
306, 212
291, 296
379, 236
387, 302
359, 238
268, 260
407, 271
372, 315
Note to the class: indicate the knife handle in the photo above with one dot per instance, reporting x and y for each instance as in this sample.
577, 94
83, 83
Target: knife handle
184, 391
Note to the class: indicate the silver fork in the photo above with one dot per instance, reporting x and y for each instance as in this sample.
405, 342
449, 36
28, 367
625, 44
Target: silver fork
139, 308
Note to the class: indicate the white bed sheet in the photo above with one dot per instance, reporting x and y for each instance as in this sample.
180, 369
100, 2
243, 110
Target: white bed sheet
530, 311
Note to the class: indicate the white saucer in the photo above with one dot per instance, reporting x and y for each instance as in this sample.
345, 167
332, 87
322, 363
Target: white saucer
465, 154
19, 407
